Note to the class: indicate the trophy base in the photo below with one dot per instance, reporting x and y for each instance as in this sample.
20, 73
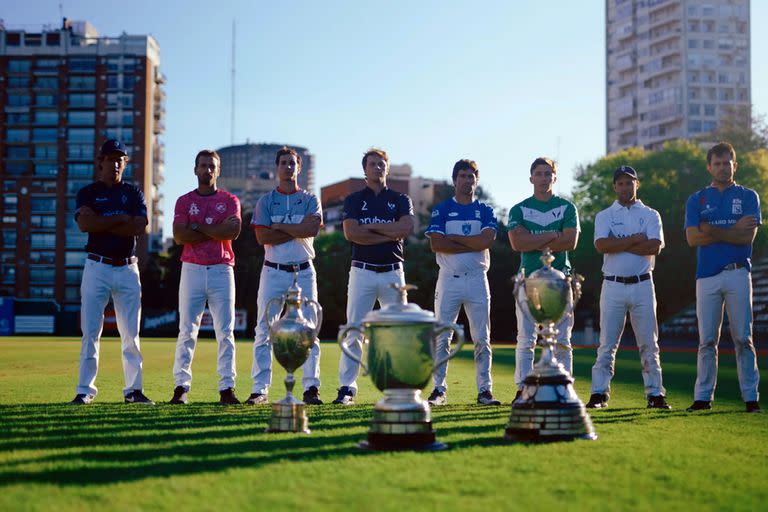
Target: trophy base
288, 417
402, 421
548, 410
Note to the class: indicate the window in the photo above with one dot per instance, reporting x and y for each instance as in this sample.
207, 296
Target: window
44, 257
19, 66
9, 219
33, 39
10, 203
708, 126
694, 109
43, 204
74, 258
80, 170
73, 276
78, 118
17, 135
122, 134
46, 152
82, 64
16, 168
693, 43
14, 118
46, 82
708, 44
709, 110
42, 221
13, 39
74, 186
18, 152
9, 272
694, 126
42, 274
45, 100
80, 135
46, 170
41, 292
75, 239
19, 100
9, 238
117, 118
46, 117
72, 293
82, 100
80, 151
53, 39
119, 99
44, 134
82, 82
17, 82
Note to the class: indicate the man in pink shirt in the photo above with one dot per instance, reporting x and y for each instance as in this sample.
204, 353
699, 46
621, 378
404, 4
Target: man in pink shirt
206, 221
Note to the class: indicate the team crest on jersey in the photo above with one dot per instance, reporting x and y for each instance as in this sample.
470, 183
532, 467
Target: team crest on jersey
193, 209
124, 199
477, 214
642, 221
435, 213
209, 220
466, 229
221, 207
736, 207
391, 206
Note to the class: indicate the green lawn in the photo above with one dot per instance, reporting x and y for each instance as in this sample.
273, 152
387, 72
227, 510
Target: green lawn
111, 456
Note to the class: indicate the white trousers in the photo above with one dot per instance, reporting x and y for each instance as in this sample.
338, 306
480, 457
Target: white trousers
199, 284
364, 289
732, 288
639, 299
100, 281
469, 289
526, 342
273, 284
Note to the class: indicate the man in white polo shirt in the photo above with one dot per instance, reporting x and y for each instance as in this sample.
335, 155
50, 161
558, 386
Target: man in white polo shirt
629, 235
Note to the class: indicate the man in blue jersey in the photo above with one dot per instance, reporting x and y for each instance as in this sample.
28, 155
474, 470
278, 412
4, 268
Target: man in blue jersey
113, 213
460, 234
376, 220
721, 222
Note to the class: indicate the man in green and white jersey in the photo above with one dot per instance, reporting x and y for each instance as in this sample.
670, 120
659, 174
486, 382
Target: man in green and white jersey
542, 221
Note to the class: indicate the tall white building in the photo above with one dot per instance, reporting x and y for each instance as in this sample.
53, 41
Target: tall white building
673, 68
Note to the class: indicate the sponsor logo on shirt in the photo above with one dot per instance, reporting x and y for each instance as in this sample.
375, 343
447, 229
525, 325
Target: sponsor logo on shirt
435, 213
101, 199
453, 214
466, 229
221, 207
543, 218
209, 220
736, 207
375, 220
391, 206
193, 209
477, 214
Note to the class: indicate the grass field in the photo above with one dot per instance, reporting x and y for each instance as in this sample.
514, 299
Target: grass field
110, 457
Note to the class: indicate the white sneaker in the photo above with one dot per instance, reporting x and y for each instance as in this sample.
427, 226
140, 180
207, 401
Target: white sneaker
437, 398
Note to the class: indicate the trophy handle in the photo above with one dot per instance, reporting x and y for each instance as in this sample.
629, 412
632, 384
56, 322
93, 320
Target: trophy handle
318, 310
272, 319
342, 334
459, 330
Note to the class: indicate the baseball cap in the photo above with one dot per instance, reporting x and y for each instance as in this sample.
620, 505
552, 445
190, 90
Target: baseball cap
113, 146
624, 170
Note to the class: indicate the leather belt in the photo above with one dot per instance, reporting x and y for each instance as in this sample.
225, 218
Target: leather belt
376, 268
628, 279
115, 262
733, 266
288, 268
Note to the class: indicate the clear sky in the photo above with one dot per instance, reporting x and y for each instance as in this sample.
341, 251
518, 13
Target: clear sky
430, 81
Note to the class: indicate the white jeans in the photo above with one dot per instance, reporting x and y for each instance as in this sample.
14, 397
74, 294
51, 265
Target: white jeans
100, 281
639, 299
216, 285
273, 284
732, 288
470, 290
526, 342
364, 289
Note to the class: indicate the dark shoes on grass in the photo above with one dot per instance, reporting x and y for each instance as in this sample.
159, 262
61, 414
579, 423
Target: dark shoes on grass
598, 401
137, 397
658, 402
346, 396
227, 397
312, 396
700, 405
486, 398
753, 407
179, 396
82, 399
257, 399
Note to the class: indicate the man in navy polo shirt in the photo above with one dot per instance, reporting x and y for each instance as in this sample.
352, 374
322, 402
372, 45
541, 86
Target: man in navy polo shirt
376, 221
113, 213
721, 222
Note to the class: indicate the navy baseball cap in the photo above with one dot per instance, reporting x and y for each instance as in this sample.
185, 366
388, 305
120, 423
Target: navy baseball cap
113, 146
624, 170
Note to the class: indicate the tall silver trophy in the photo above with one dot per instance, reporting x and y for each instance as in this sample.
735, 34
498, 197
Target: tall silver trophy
292, 337
548, 408
401, 341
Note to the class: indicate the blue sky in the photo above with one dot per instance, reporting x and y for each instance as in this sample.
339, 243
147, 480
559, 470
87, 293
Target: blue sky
430, 81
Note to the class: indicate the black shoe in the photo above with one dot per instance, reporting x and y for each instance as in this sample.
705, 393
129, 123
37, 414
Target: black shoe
486, 398
699, 405
346, 396
753, 406
227, 397
437, 397
597, 401
82, 399
257, 399
518, 394
658, 402
137, 397
179, 396
312, 396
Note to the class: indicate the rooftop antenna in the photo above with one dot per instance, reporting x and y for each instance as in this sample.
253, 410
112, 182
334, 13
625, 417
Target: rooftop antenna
232, 120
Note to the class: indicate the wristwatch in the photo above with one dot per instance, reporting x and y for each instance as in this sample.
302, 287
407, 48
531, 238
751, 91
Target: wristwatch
193, 227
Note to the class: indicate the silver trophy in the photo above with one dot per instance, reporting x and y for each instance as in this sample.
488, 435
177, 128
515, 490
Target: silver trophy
548, 408
401, 341
292, 337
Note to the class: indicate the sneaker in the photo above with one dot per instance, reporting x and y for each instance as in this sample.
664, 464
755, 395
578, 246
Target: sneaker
228, 397
257, 399
518, 394
346, 396
82, 399
597, 401
658, 402
312, 396
179, 395
137, 397
486, 398
751, 406
437, 397
699, 405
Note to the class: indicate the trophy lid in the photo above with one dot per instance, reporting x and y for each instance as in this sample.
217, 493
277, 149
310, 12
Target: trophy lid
401, 312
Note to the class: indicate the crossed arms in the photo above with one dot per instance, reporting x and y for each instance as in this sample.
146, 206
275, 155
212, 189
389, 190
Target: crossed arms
377, 233
279, 232
523, 240
741, 233
228, 229
638, 244
121, 225
455, 244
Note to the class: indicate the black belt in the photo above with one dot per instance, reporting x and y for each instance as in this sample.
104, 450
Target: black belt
115, 262
733, 266
628, 279
288, 268
376, 268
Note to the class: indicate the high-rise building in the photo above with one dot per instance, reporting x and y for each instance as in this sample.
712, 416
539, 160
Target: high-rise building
248, 171
674, 68
62, 93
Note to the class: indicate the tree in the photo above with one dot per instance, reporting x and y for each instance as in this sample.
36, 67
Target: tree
740, 125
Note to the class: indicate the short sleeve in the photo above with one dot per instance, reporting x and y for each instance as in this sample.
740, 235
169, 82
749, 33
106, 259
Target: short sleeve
571, 217
234, 206
753, 206
313, 207
602, 225
654, 230
437, 222
261, 213
181, 212
515, 217
139, 205
350, 210
692, 212
405, 206
83, 199
488, 218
